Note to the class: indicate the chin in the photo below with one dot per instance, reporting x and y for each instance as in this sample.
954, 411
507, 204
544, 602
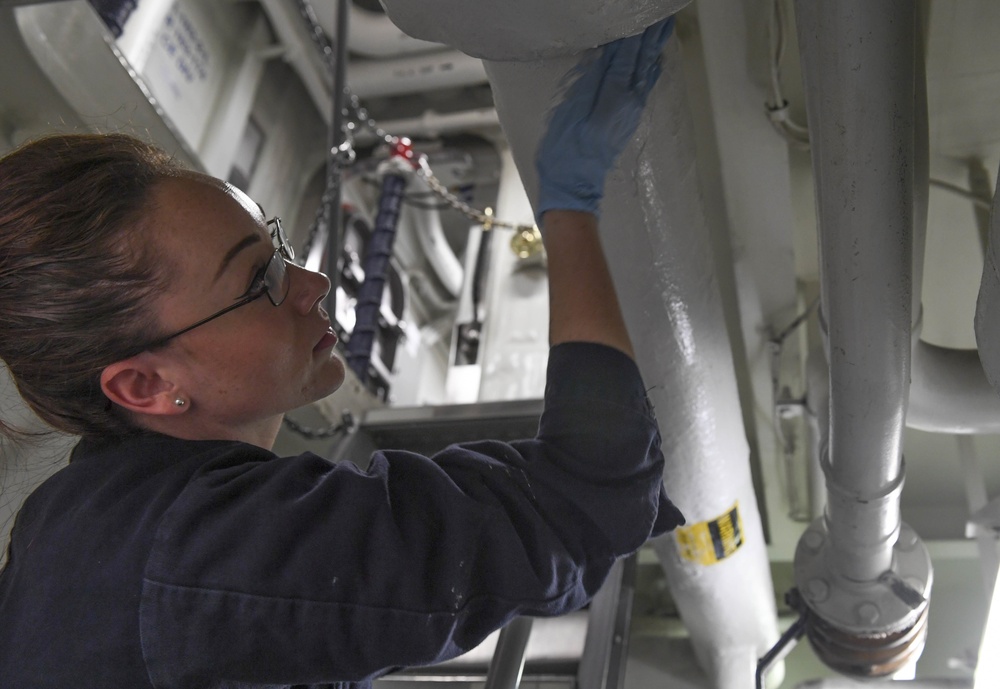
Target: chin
331, 379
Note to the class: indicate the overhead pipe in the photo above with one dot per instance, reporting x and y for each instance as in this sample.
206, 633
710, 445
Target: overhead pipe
433, 124
664, 276
373, 34
863, 574
415, 74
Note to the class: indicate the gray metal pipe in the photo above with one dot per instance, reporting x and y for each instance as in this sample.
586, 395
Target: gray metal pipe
508, 658
863, 574
858, 61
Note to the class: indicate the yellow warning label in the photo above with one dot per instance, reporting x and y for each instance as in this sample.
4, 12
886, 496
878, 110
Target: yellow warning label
708, 543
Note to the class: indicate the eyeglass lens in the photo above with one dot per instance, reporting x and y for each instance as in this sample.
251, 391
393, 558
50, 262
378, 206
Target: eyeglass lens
276, 278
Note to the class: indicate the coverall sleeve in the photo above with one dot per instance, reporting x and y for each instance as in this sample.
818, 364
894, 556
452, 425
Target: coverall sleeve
297, 571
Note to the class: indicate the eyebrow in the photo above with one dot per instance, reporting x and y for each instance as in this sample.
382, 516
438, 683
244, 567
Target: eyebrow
247, 241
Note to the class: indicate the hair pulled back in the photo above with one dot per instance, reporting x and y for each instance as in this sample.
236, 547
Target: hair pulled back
77, 272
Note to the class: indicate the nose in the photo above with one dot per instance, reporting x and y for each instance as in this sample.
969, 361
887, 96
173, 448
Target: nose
307, 288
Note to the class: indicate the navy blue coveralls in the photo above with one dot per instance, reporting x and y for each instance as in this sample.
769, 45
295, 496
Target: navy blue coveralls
156, 562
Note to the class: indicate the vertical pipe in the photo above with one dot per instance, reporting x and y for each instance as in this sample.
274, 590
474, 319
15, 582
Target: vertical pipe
654, 235
507, 663
858, 63
331, 199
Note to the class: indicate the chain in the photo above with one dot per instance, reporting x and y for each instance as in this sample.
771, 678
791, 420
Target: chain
363, 118
326, 49
345, 425
484, 218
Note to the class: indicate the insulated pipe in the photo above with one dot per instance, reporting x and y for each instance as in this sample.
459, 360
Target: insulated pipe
654, 234
517, 30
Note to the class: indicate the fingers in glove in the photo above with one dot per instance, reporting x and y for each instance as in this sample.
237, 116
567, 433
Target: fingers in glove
622, 56
647, 67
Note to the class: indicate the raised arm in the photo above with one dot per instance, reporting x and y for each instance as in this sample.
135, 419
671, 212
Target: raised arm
586, 133
582, 299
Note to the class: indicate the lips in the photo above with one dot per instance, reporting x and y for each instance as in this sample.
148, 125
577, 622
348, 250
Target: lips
328, 340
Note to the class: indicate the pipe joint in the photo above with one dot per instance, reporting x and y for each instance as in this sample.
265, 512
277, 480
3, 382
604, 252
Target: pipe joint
862, 525
864, 628
889, 491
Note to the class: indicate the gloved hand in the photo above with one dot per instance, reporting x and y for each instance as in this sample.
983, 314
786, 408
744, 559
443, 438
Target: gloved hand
590, 128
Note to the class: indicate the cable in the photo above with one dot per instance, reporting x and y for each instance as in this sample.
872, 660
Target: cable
777, 109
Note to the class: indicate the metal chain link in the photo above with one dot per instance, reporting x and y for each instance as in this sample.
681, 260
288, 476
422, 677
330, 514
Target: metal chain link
364, 118
345, 425
484, 218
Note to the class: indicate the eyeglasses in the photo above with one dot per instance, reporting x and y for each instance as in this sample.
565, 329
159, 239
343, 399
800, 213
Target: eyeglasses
271, 280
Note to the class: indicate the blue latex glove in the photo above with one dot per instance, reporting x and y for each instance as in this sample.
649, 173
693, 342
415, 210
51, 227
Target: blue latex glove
590, 128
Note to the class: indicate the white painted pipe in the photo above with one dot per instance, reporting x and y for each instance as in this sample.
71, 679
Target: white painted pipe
656, 242
949, 392
372, 34
516, 30
415, 74
433, 124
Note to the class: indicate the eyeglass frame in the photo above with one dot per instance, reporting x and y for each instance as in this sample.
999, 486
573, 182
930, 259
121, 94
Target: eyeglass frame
283, 252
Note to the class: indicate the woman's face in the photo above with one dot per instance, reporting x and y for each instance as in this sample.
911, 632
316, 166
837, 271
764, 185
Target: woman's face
242, 370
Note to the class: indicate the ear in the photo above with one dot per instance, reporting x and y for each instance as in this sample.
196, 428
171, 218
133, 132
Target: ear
136, 385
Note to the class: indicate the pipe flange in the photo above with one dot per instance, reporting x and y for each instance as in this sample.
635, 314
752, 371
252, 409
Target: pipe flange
867, 655
889, 604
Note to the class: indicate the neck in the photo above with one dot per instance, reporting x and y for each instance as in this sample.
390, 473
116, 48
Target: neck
261, 433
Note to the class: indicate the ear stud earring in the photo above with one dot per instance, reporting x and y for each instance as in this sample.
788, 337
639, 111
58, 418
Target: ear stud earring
180, 402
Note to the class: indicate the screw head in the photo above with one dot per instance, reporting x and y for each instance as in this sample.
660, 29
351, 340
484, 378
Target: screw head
868, 613
817, 590
813, 539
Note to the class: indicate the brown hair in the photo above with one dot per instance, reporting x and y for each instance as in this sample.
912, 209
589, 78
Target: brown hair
77, 272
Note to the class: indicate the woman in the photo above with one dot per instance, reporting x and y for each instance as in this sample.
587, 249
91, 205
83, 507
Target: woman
152, 311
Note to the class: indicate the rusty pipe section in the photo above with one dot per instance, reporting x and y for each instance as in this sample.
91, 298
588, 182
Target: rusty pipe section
864, 575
